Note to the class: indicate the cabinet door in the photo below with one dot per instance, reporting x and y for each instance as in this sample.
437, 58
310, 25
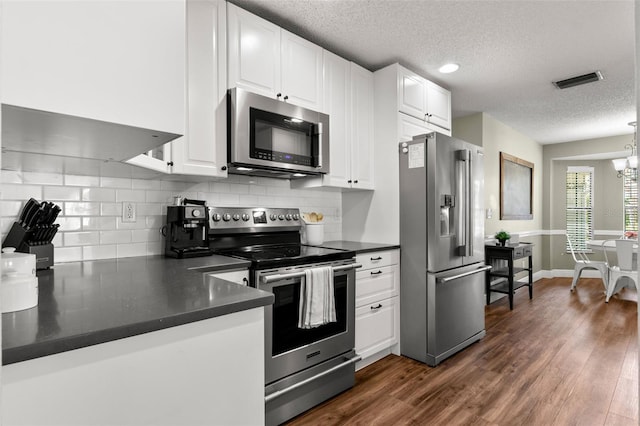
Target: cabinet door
411, 93
361, 127
438, 108
203, 150
158, 159
337, 96
377, 326
301, 66
254, 52
115, 61
408, 127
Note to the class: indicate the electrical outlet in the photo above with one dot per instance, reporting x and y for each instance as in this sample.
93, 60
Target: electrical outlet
128, 212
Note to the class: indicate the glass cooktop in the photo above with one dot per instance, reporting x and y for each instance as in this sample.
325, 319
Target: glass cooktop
287, 254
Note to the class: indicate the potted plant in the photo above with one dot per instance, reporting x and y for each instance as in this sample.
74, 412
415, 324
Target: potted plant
502, 237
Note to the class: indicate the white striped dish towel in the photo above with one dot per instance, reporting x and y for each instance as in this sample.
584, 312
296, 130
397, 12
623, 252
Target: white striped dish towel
317, 302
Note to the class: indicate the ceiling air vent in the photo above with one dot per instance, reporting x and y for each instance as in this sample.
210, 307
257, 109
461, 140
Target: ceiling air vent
576, 81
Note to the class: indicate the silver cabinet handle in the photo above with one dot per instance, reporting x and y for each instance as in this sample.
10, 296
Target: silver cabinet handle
464, 274
278, 277
376, 273
376, 258
375, 308
276, 394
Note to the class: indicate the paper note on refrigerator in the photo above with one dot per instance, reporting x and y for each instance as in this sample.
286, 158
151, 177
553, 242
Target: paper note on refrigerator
416, 156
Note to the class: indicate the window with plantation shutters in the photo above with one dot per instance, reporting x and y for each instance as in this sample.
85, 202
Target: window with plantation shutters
630, 197
579, 188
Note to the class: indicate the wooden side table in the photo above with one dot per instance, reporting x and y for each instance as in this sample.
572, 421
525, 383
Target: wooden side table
500, 278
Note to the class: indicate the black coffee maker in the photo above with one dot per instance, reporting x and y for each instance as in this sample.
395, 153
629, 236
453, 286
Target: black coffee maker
187, 229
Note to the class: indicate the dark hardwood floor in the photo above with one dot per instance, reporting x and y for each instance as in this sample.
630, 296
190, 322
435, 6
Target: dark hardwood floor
560, 359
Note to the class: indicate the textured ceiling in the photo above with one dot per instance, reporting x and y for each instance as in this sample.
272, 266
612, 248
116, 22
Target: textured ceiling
509, 52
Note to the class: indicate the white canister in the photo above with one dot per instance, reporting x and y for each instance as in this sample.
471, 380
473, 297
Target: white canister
313, 233
18, 292
20, 263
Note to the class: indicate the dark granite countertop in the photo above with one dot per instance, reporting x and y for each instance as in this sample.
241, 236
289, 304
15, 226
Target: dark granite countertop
359, 247
86, 303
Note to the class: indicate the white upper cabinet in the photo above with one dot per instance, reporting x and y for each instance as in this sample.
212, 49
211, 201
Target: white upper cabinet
348, 99
361, 127
202, 150
116, 61
265, 59
408, 127
424, 100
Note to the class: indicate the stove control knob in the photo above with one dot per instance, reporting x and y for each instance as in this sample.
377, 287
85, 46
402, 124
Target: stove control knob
273, 216
288, 216
196, 213
236, 217
281, 217
216, 217
226, 217
245, 216
296, 216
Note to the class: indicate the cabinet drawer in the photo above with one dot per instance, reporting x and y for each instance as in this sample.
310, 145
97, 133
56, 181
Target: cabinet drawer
376, 284
527, 251
378, 259
376, 326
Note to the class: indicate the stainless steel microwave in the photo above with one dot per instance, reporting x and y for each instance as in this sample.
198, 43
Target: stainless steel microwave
270, 137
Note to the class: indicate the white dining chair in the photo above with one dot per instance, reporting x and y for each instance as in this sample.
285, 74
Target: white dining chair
583, 262
625, 268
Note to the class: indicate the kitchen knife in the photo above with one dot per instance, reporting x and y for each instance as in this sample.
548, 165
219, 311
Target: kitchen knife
30, 206
31, 216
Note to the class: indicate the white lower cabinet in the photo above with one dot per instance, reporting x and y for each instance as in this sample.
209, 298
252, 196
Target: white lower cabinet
377, 305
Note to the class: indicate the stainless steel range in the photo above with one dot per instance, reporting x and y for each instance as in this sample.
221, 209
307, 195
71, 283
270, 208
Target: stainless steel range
303, 366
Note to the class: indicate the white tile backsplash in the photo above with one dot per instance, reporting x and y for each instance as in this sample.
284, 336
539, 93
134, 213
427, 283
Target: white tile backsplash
91, 224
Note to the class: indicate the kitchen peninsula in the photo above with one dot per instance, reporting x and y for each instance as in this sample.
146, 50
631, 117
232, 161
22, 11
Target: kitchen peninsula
142, 340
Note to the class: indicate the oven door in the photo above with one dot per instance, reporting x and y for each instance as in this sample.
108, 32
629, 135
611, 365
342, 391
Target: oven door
289, 349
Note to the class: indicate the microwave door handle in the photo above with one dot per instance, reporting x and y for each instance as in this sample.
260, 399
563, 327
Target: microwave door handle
320, 141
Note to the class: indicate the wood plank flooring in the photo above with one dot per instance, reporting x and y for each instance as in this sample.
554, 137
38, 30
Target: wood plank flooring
560, 359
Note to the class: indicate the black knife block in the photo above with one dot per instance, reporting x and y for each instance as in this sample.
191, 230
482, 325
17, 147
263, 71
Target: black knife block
23, 240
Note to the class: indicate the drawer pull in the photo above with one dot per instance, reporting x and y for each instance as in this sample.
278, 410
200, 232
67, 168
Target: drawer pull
376, 258
376, 273
375, 308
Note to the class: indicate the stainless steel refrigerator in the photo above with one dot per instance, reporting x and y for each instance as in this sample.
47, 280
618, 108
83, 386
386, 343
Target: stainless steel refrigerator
442, 247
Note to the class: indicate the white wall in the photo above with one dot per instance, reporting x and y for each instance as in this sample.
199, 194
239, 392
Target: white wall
91, 224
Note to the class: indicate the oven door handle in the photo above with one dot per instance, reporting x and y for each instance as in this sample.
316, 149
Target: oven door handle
279, 277
276, 394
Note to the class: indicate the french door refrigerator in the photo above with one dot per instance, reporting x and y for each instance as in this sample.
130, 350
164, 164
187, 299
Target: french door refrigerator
442, 247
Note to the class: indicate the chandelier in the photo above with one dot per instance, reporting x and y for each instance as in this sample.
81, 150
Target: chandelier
631, 162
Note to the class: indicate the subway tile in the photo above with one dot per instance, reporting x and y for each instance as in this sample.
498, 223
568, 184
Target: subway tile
77, 180
99, 194
67, 254
257, 189
12, 191
220, 187
110, 209
81, 238
115, 237
98, 223
211, 199
99, 252
150, 209
131, 250
248, 201
170, 185
10, 208
58, 240
237, 188
164, 197
42, 178
146, 184
72, 208
198, 187
109, 182
135, 195
138, 224
10, 176
155, 248
155, 222
61, 193
69, 223
145, 235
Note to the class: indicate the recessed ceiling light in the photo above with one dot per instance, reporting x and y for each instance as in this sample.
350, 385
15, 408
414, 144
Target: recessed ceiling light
448, 68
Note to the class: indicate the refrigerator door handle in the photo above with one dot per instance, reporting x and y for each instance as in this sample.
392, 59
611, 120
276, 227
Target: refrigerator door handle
464, 274
464, 238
